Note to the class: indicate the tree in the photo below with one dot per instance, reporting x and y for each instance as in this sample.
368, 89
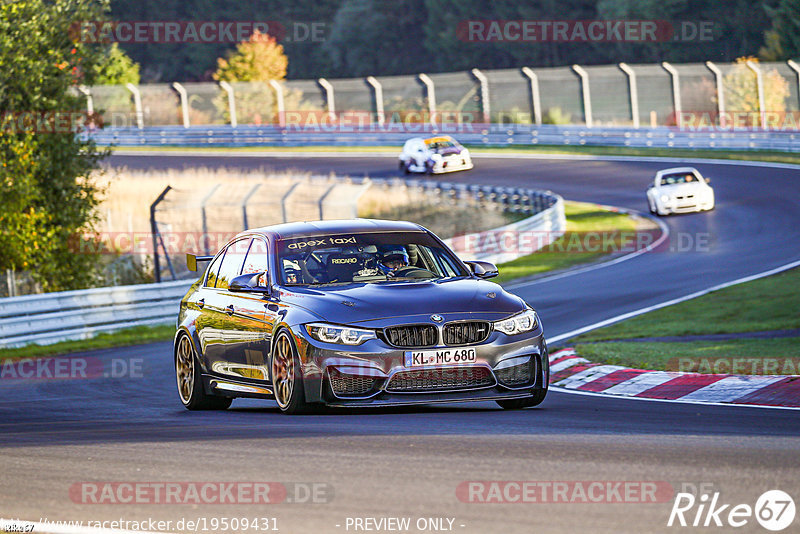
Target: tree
48, 195
783, 40
116, 68
259, 59
741, 90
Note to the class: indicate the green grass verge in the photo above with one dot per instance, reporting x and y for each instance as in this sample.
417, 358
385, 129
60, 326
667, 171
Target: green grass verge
739, 356
122, 338
771, 303
744, 155
581, 218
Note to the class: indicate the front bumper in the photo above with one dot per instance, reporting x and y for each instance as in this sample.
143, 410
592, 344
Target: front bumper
376, 374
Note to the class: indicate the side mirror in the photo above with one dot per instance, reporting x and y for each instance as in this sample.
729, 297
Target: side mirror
248, 283
192, 259
708, 180
483, 269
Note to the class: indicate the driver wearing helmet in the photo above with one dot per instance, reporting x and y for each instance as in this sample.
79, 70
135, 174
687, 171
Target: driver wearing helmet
392, 260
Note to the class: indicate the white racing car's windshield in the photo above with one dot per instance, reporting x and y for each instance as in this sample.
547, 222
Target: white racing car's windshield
365, 258
440, 145
682, 178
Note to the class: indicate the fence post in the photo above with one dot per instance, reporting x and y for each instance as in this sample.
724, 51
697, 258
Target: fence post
430, 91
228, 88
723, 121
796, 68
204, 219
280, 102
137, 102
536, 100
485, 105
329, 97
378, 92
634, 92
184, 102
245, 200
760, 87
587, 96
285, 198
154, 231
322, 198
89, 100
676, 93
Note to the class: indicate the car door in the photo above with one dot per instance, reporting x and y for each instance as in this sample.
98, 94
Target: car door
255, 317
217, 328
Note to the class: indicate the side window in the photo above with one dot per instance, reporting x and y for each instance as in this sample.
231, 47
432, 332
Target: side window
213, 269
232, 263
256, 260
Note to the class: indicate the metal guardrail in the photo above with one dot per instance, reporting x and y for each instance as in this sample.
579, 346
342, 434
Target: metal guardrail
52, 317
473, 134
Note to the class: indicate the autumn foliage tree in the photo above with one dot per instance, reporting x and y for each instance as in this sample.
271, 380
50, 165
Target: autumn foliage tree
741, 90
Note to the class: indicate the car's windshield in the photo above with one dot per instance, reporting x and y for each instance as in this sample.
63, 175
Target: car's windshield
365, 258
440, 144
681, 178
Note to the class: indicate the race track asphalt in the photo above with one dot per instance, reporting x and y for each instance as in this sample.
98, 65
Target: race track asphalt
409, 462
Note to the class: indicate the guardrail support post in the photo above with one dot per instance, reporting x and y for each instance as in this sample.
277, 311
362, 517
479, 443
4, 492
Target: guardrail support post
536, 100
280, 102
723, 121
228, 88
796, 68
245, 200
377, 89
285, 199
485, 105
633, 92
760, 88
329, 97
430, 91
676, 93
155, 234
587, 97
184, 102
137, 102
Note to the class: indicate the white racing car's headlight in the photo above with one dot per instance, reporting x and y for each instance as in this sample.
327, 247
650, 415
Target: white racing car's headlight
518, 324
344, 335
664, 198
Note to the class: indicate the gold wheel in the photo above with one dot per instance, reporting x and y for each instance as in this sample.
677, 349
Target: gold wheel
283, 371
184, 369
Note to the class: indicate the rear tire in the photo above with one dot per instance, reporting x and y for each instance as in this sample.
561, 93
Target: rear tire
518, 404
287, 376
190, 384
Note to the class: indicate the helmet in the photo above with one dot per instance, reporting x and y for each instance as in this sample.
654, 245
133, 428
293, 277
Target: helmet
392, 260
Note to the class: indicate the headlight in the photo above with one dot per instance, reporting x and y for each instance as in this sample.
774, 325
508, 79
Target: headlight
664, 198
343, 335
520, 323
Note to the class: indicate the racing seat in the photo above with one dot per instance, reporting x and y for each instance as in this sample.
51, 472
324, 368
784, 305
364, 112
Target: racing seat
343, 267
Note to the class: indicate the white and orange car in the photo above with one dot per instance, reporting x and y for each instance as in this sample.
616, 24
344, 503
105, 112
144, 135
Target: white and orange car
679, 190
435, 155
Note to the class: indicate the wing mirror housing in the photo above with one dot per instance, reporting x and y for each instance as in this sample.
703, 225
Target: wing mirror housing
192, 259
483, 269
707, 179
249, 283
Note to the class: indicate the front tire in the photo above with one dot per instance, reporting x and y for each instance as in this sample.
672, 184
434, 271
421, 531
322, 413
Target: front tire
287, 376
190, 385
518, 404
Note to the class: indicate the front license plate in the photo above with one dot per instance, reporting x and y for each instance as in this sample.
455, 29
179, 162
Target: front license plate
422, 358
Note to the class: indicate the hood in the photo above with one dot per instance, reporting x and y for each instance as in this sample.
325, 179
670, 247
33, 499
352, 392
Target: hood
382, 304
683, 189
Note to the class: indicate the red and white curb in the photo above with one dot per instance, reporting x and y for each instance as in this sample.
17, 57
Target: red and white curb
571, 372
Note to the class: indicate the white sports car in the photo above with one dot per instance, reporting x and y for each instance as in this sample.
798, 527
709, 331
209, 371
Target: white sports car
434, 155
679, 190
